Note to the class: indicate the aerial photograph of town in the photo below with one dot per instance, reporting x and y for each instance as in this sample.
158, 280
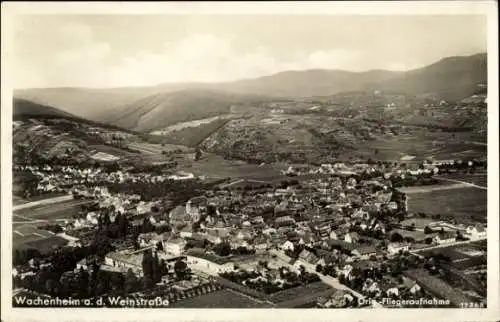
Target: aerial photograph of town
249, 161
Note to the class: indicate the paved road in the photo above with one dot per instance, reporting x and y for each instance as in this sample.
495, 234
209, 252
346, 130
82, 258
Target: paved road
327, 279
42, 202
463, 182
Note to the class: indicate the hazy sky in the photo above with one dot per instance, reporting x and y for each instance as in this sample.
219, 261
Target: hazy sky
135, 50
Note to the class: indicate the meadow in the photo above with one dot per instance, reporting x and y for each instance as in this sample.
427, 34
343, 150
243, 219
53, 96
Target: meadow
466, 205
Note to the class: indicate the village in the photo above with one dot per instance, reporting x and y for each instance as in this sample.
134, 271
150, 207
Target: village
334, 235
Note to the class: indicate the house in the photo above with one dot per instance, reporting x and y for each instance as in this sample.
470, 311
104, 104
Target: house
352, 237
308, 257
411, 285
333, 235
195, 206
371, 286
284, 221
210, 264
288, 245
389, 289
346, 271
213, 239
364, 252
124, 261
444, 238
395, 248
392, 205
307, 239
186, 232
174, 246
152, 239
476, 232
260, 244
179, 216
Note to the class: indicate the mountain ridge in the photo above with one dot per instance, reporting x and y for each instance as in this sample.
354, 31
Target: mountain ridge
451, 79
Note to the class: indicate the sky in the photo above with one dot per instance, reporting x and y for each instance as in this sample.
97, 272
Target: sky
142, 50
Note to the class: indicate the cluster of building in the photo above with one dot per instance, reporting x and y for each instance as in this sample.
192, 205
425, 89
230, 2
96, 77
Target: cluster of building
334, 221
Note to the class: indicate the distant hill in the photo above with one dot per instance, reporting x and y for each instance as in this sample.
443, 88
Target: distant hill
88, 103
24, 108
148, 108
452, 78
164, 109
307, 83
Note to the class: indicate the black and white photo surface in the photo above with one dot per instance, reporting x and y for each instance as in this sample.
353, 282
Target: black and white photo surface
221, 160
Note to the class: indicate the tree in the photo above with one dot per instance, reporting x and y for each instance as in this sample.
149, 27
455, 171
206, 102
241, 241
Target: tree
223, 249
197, 155
180, 269
83, 279
131, 283
427, 230
156, 272
147, 267
319, 268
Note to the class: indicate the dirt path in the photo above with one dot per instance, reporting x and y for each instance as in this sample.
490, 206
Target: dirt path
463, 182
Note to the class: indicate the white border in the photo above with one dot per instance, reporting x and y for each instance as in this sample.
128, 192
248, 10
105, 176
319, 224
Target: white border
488, 8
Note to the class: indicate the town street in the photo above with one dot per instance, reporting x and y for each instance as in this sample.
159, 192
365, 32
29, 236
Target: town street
327, 279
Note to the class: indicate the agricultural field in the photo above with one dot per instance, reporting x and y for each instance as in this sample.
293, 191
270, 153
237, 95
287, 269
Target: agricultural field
191, 135
58, 211
305, 293
480, 179
154, 148
467, 205
421, 144
224, 298
216, 167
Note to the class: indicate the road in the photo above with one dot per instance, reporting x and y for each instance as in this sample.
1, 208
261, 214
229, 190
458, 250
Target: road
333, 282
477, 143
327, 279
42, 202
416, 251
463, 182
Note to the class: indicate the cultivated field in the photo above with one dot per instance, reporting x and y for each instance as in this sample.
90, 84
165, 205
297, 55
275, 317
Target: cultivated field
224, 298
214, 166
62, 210
150, 148
480, 179
25, 222
421, 145
467, 205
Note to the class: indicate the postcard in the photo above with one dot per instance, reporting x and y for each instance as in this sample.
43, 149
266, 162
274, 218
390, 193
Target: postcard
210, 161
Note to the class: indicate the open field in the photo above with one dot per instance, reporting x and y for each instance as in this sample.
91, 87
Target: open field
215, 166
421, 146
225, 298
150, 148
467, 205
24, 234
61, 210
25, 222
120, 153
480, 179
306, 293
